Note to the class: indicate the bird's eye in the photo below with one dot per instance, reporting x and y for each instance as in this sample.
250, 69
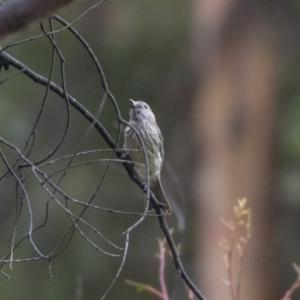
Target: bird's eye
145, 106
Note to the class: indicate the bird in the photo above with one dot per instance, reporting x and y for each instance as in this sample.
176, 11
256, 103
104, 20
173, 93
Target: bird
143, 120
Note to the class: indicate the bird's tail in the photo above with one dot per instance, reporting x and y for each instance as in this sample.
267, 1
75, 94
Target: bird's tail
159, 193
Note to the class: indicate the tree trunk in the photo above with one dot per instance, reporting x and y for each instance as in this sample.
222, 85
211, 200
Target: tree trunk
234, 113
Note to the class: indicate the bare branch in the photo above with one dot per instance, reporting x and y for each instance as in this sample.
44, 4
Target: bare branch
111, 143
46, 181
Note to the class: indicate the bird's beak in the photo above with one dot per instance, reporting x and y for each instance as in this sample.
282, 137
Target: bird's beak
132, 103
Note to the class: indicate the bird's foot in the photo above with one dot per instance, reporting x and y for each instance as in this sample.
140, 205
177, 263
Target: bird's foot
124, 156
144, 187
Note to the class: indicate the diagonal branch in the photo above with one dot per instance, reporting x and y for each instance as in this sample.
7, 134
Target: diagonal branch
6, 59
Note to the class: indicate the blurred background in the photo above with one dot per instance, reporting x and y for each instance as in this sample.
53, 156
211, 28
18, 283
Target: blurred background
223, 79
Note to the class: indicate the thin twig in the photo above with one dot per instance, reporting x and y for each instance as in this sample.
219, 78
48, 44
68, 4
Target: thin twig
120, 268
147, 287
294, 286
162, 266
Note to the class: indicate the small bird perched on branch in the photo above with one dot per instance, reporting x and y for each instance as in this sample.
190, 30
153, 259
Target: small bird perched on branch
143, 121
